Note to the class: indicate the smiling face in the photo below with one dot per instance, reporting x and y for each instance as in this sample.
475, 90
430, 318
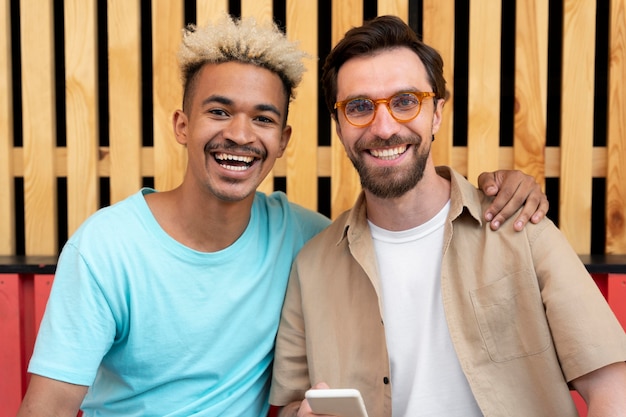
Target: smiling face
234, 128
390, 156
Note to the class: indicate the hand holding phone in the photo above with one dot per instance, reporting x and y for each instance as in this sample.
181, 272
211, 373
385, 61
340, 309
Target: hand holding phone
346, 402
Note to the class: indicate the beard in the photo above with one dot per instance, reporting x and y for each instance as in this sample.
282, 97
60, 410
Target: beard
391, 182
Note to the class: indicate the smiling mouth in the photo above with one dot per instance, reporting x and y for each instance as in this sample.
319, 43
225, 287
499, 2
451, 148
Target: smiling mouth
389, 153
234, 162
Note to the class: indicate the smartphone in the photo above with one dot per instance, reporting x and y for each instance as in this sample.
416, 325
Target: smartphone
337, 402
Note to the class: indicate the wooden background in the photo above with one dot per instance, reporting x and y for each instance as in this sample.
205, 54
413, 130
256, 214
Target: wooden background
87, 89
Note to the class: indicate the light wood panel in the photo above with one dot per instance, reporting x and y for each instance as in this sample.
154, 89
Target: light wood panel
439, 33
81, 111
39, 127
616, 141
483, 119
170, 157
259, 9
345, 183
301, 156
124, 97
577, 122
208, 10
83, 161
398, 8
531, 86
7, 192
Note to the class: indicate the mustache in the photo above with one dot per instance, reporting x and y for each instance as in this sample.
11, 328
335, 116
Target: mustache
230, 146
395, 140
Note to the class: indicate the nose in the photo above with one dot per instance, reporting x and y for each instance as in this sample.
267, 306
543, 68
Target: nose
384, 125
239, 130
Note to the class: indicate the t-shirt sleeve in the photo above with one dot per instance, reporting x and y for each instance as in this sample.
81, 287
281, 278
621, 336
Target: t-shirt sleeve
77, 328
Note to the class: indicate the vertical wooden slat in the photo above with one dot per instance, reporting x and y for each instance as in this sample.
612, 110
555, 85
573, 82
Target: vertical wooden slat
39, 127
261, 10
301, 155
169, 156
81, 104
483, 119
577, 122
7, 191
345, 183
616, 141
208, 10
124, 97
439, 33
398, 8
531, 74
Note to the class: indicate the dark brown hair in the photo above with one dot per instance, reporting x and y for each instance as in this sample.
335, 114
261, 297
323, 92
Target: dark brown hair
383, 32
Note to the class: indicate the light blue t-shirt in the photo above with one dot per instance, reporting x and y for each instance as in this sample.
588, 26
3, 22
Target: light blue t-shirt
158, 329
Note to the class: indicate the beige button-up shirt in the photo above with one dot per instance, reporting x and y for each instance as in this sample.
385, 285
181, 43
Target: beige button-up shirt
524, 315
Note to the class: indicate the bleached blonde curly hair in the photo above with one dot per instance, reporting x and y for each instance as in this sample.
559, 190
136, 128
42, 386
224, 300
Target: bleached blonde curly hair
241, 40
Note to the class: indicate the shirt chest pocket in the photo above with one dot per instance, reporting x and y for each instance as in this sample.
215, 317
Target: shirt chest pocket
511, 317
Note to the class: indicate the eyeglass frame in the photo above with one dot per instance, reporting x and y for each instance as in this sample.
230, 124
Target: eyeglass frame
421, 96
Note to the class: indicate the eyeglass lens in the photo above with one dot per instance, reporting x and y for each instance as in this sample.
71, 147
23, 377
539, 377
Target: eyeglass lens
403, 106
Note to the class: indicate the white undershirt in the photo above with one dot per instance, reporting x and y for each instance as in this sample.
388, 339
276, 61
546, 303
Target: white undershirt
426, 377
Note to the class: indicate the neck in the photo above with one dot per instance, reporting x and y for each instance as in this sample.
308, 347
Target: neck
412, 209
198, 220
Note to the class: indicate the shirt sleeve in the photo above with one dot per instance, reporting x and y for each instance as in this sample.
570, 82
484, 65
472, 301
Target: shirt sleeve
290, 377
586, 333
77, 328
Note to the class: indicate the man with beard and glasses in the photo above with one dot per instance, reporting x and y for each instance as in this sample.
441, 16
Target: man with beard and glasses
168, 303
409, 297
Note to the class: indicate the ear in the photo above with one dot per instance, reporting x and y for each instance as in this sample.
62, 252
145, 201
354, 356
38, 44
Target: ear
284, 140
180, 124
438, 115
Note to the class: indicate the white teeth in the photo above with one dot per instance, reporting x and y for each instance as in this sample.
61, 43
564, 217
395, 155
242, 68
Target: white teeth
235, 168
222, 159
388, 153
229, 157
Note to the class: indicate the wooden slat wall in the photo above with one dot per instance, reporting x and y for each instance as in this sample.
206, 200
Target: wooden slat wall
125, 104
616, 143
301, 157
577, 121
36, 158
531, 87
39, 128
169, 156
7, 201
483, 125
439, 33
81, 110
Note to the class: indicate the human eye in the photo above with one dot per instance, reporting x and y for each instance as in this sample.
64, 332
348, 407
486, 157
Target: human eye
265, 120
359, 107
404, 101
218, 113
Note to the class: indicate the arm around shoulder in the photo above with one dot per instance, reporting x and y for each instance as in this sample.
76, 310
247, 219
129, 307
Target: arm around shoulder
49, 397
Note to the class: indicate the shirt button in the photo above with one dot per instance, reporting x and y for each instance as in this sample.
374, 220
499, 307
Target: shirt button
385, 380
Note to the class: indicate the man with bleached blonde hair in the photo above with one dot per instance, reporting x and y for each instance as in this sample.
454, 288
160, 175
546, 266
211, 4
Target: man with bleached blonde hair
168, 303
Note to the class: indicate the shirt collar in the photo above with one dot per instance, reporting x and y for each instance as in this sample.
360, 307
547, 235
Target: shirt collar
462, 196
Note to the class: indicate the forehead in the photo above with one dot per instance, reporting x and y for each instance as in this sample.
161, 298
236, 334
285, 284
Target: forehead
382, 74
244, 84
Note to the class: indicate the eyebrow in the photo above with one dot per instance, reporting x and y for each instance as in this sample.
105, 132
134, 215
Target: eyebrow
365, 96
229, 102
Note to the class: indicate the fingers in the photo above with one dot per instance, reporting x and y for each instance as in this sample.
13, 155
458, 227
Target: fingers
487, 182
516, 190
